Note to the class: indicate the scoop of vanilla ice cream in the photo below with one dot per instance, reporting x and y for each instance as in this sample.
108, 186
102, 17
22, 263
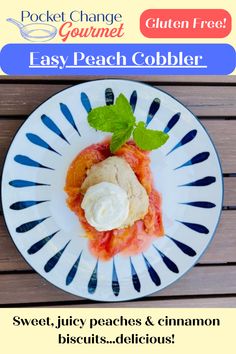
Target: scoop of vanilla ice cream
106, 206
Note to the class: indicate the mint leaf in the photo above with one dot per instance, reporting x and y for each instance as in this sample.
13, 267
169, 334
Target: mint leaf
112, 118
102, 118
148, 139
119, 138
124, 107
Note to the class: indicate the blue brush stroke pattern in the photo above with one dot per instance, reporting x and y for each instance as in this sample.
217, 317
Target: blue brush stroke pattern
206, 181
153, 274
133, 100
20, 183
72, 272
53, 127
38, 245
30, 225
183, 247
35, 139
185, 140
135, 278
85, 102
200, 204
115, 281
109, 96
168, 262
26, 161
26, 204
54, 259
155, 105
92, 285
195, 227
172, 122
68, 115
202, 156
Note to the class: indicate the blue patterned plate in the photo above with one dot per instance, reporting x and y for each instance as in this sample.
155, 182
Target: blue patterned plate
186, 172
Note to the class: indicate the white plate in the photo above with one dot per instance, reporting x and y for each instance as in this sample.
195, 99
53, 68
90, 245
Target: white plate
186, 172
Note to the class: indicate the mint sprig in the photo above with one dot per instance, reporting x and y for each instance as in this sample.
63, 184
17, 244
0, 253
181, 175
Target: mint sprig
120, 120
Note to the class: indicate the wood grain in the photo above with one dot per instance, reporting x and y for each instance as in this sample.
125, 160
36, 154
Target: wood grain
195, 302
230, 191
203, 281
219, 79
204, 100
223, 133
221, 250
31, 288
223, 246
10, 257
8, 129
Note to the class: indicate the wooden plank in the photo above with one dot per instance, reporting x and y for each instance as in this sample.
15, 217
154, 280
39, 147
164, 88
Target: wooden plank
223, 133
204, 281
230, 191
8, 128
221, 250
211, 101
32, 288
206, 100
22, 99
10, 257
223, 246
219, 79
206, 302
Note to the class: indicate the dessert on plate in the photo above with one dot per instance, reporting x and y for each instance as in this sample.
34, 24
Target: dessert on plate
110, 188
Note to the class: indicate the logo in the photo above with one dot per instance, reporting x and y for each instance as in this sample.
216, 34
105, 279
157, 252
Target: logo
71, 26
35, 32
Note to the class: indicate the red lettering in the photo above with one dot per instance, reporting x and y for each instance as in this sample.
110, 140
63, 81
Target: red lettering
120, 29
75, 32
63, 32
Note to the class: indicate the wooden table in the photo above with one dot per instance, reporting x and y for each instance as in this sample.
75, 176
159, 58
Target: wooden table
212, 282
